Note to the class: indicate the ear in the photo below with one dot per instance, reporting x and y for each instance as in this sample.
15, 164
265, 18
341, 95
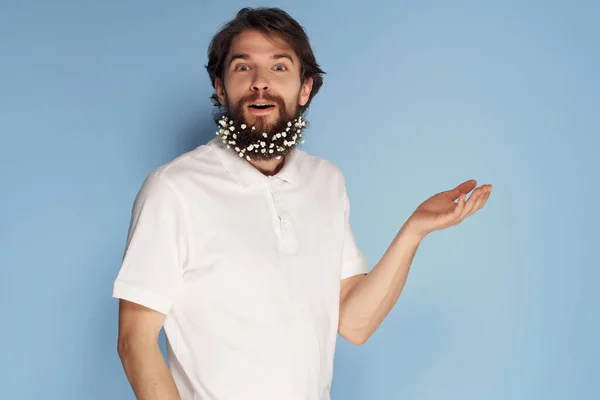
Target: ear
305, 90
220, 89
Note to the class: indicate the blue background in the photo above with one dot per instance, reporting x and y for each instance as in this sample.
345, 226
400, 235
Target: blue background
419, 97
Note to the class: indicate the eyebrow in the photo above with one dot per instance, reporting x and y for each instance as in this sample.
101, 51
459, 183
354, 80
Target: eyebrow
283, 55
240, 56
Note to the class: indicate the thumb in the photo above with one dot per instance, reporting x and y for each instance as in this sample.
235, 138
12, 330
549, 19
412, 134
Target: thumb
464, 187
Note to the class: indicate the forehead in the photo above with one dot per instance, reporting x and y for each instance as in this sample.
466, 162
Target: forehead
257, 44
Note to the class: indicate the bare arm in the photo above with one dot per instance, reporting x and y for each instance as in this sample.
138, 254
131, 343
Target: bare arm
140, 354
367, 299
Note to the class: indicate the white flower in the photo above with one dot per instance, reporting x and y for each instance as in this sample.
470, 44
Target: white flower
292, 137
248, 158
278, 157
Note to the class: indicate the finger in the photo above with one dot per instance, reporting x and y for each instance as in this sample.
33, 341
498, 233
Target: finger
467, 186
454, 215
471, 203
464, 187
481, 201
485, 198
478, 204
454, 212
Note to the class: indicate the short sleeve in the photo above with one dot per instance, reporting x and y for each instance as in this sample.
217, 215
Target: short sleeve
353, 260
156, 248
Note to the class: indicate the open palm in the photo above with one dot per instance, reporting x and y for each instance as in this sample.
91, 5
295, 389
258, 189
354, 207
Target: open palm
441, 211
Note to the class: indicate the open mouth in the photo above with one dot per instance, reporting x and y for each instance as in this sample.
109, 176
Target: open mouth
261, 106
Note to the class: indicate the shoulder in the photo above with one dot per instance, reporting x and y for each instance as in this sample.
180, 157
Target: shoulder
188, 164
316, 166
322, 177
167, 180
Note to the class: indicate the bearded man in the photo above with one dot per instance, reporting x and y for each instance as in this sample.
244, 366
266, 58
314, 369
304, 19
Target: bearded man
242, 248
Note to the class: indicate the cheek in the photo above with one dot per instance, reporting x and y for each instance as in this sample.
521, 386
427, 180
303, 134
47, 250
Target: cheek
291, 93
234, 87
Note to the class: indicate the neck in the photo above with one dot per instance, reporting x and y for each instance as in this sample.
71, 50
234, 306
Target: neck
268, 167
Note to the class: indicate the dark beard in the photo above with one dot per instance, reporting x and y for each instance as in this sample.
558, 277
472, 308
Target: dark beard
260, 142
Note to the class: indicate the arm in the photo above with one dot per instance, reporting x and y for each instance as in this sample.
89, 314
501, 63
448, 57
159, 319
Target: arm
366, 300
140, 354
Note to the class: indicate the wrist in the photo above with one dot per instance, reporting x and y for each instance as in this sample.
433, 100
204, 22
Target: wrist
408, 233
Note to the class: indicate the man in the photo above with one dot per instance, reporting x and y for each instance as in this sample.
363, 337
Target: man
242, 248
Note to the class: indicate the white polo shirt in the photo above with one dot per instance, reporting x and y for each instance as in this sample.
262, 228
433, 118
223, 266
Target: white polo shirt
247, 269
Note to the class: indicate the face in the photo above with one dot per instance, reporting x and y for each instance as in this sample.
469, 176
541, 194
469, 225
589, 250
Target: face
261, 85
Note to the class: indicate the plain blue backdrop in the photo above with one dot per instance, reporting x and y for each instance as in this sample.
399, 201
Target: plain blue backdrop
418, 97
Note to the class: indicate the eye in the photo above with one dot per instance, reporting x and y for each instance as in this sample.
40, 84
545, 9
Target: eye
242, 67
280, 67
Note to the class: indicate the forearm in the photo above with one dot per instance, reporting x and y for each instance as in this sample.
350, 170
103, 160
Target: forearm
147, 372
370, 301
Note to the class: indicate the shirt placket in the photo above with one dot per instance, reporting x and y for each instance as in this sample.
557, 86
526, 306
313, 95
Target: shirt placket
288, 241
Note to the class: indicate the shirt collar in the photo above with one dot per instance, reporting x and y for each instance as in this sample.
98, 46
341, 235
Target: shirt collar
247, 175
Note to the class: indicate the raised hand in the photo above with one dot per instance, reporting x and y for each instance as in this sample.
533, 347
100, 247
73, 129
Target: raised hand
441, 211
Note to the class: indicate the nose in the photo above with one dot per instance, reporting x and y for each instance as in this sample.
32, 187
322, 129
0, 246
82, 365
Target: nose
259, 82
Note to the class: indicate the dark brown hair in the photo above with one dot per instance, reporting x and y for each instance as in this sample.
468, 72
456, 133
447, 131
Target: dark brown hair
270, 21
